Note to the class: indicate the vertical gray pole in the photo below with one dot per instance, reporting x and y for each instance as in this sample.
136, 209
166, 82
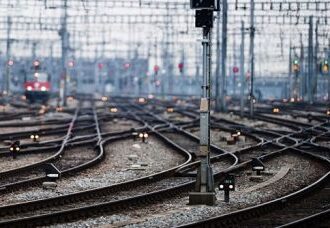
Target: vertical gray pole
223, 55
217, 69
242, 70
226, 196
34, 51
315, 69
329, 75
234, 64
64, 44
302, 69
252, 30
310, 60
8, 53
205, 109
291, 82
205, 184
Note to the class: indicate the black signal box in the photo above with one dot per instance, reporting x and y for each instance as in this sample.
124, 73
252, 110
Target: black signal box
204, 4
204, 18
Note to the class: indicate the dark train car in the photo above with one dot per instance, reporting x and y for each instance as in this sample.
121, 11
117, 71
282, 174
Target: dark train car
37, 88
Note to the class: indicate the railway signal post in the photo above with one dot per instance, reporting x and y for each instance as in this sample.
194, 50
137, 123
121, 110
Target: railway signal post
204, 190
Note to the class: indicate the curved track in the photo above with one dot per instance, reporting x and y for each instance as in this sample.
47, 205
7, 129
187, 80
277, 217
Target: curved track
301, 139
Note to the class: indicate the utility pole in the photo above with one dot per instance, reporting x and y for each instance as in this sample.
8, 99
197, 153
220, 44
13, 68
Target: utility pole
291, 83
302, 69
34, 51
65, 45
218, 95
329, 74
310, 61
169, 63
252, 32
234, 64
242, 69
316, 70
223, 55
6, 87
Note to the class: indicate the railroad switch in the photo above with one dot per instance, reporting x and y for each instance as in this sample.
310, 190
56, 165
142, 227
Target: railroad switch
257, 166
227, 185
14, 148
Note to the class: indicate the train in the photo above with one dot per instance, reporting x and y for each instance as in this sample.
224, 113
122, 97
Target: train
37, 88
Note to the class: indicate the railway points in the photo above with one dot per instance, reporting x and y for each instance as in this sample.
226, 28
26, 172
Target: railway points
164, 113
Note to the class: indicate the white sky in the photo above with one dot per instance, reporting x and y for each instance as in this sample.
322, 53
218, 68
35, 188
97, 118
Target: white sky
109, 28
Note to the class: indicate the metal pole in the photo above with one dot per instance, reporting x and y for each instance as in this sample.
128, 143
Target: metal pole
316, 70
242, 69
329, 75
296, 86
252, 30
310, 60
8, 53
234, 64
302, 69
291, 84
217, 69
64, 39
204, 190
226, 196
223, 55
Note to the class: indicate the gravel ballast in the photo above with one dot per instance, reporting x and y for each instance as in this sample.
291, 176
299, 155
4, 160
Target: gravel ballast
175, 211
118, 166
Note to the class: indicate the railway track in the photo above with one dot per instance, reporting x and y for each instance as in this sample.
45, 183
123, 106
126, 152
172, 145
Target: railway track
68, 160
151, 189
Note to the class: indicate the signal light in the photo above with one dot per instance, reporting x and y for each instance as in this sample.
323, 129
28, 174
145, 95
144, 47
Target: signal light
36, 64
170, 110
325, 67
235, 69
156, 69
113, 110
142, 100
10, 62
34, 137
296, 66
276, 110
14, 148
143, 136
71, 64
328, 112
180, 66
100, 66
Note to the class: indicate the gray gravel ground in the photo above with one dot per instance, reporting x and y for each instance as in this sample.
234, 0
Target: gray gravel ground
175, 116
255, 124
7, 163
117, 167
118, 125
176, 211
216, 139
